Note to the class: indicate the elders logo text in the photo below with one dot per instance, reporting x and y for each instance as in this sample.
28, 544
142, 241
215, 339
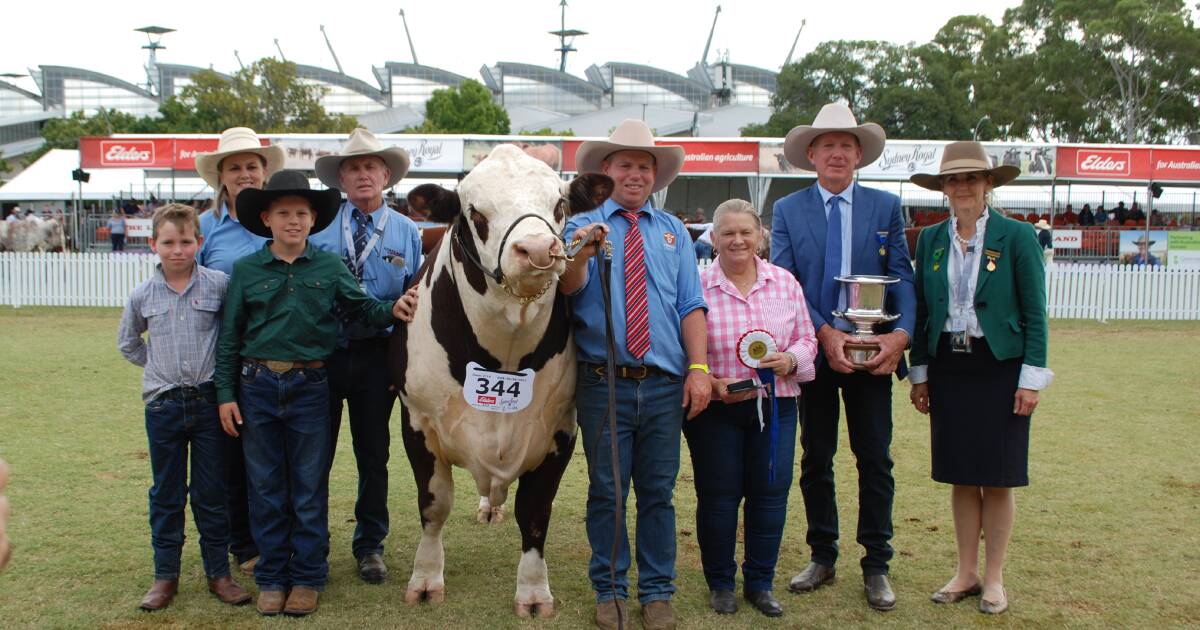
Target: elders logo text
126, 153
1102, 163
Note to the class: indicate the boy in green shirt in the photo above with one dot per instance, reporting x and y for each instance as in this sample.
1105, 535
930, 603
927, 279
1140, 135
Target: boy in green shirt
278, 327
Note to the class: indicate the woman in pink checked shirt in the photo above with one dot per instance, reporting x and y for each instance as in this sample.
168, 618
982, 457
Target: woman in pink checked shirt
731, 448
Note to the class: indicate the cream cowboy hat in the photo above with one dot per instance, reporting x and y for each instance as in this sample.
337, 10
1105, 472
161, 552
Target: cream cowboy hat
966, 156
1042, 224
363, 143
233, 141
632, 135
834, 117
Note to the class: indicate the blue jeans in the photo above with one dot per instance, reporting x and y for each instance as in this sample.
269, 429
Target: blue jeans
286, 434
173, 420
649, 417
729, 457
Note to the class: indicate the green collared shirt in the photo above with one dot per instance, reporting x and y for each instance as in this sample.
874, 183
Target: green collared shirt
282, 311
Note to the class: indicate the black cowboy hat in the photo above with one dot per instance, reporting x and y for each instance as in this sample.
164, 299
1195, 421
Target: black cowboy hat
252, 202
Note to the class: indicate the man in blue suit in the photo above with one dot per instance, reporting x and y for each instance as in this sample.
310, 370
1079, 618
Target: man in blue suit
833, 228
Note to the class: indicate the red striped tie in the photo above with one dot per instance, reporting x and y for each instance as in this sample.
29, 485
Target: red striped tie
637, 315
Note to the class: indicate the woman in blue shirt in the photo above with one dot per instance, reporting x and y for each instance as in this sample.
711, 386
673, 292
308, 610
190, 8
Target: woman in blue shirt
240, 162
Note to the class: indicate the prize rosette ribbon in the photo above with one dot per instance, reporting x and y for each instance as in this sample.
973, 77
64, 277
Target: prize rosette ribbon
754, 346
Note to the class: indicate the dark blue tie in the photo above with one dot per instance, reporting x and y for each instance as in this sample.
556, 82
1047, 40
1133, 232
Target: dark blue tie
361, 229
833, 258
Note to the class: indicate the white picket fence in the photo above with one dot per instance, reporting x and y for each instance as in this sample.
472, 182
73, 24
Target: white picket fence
1075, 291
71, 279
1104, 292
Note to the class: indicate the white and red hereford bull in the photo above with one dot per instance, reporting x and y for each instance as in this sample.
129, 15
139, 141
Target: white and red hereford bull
490, 332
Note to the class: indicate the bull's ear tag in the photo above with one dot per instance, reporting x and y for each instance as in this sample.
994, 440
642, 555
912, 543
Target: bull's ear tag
500, 392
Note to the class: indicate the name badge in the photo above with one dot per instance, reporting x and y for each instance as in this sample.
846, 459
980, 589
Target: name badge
500, 392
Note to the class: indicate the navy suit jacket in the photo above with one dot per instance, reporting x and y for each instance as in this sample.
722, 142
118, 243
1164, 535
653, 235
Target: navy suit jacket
798, 244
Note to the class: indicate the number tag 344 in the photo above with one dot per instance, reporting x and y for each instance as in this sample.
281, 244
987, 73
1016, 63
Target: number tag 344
501, 392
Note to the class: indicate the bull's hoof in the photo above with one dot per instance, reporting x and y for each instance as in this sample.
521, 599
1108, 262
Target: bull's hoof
540, 610
490, 514
416, 595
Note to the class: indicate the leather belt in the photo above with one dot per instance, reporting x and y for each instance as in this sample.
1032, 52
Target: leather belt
279, 367
637, 372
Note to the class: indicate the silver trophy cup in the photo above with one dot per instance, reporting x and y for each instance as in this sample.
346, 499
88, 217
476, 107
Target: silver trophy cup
865, 299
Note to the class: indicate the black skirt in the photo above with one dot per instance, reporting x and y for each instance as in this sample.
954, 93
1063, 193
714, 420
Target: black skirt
976, 439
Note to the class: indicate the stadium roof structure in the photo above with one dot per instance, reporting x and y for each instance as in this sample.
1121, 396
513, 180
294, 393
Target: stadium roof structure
623, 82
526, 84
392, 119
727, 121
52, 80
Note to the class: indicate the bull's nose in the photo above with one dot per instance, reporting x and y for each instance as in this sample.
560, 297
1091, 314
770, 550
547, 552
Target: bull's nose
536, 250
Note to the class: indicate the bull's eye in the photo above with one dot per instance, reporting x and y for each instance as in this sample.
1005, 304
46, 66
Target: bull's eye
560, 211
480, 222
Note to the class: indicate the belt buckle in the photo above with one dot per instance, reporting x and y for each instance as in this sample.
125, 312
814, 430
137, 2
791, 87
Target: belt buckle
629, 372
279, 367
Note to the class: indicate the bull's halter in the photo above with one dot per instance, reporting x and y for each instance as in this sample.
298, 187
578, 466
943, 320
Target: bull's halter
497, 274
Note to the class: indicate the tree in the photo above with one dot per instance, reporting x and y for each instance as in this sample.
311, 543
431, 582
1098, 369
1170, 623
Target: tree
266, 96
467, 108
1110, 70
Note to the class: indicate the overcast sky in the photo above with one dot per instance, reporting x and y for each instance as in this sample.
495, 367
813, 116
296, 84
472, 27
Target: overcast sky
456, 35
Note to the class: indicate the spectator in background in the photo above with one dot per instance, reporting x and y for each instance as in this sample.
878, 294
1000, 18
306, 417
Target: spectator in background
699, 216
116, 231
1156, 218
1046, 240
1120, 213
14, 214
1085, 216
1069, 217
1101, 215
1136, 214
704, 243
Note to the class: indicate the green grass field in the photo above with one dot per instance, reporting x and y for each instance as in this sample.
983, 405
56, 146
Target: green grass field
1107, 535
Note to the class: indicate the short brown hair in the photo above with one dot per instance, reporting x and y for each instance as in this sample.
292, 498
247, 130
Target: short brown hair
178, 214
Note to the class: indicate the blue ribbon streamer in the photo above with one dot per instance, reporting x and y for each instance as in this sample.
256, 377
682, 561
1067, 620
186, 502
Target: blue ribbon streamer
767, 377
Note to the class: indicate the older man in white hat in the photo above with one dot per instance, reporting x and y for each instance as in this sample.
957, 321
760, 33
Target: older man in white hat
830, 229
382, 248
660, 352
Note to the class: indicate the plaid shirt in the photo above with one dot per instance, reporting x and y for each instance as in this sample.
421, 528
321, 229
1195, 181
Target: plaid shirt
183, 330
775, 304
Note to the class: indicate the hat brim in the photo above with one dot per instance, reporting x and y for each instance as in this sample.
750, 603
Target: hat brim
252, 202
668, 159
1001, 175
795, 146
208, 165
395, 158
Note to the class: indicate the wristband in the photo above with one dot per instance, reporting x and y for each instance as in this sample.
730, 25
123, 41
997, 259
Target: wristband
699, 366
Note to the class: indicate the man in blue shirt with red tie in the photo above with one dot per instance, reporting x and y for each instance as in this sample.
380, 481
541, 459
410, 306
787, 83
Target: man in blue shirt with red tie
660, 352
838, 228
382, 249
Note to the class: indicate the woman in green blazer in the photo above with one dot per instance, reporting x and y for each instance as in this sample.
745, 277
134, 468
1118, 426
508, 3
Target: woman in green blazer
978, 360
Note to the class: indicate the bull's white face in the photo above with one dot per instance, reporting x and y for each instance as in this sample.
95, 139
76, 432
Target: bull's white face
498, 192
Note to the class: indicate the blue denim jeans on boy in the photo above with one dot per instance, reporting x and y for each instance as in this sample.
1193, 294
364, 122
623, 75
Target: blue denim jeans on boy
286, 433
730, 456
175, 419
649, 418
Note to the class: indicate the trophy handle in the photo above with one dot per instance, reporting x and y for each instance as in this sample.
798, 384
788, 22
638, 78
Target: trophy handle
888, 318
839, 314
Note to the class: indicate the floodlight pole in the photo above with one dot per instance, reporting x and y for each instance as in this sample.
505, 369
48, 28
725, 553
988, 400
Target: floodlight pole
412, 49
708, 42
795, 41
331, 51
280, 49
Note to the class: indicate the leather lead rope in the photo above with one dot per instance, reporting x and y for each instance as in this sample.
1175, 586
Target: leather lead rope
605, 264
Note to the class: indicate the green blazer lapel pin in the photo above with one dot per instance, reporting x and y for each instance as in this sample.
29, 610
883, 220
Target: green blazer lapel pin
937, 258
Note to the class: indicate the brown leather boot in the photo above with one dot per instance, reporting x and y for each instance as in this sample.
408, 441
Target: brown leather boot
608, 612
658, 615
228, 591
271, 602
302, 601
160, 595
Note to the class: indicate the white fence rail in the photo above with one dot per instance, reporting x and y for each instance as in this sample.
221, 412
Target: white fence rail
1104, 292
1075, 291
71, 279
